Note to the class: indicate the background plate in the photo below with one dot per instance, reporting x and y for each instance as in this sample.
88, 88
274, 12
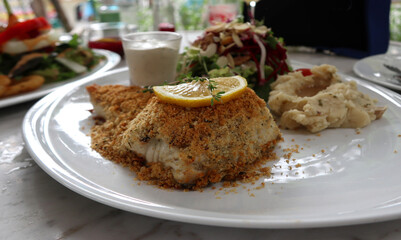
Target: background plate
337, 177
372, 69
112, 59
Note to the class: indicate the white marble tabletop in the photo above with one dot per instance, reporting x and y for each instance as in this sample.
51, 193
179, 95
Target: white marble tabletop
35, 206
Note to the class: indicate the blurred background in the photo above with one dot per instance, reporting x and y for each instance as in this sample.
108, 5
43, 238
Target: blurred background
185, 14
145, 14
379, 20
395, 20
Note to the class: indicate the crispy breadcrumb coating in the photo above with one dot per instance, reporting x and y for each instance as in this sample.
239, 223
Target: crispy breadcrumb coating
195, 142
114, 107
178, 147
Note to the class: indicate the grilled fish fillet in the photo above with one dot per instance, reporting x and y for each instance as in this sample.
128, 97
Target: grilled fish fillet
178, 147
115, 106
203, 143
117, 101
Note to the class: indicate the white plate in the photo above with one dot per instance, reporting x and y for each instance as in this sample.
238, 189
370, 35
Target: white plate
111, 60
344, 176
372, 69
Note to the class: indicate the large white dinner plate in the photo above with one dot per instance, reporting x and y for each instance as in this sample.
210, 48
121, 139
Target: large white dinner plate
372, 69
111, 60
338, 177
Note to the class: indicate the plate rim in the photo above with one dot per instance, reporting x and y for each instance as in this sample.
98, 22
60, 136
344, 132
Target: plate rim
360, 74
41, 157
112, 59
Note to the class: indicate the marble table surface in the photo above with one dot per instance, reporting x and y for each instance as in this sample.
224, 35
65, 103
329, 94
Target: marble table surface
35, 206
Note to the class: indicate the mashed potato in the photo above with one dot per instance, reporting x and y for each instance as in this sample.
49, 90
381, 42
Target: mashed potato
321, 101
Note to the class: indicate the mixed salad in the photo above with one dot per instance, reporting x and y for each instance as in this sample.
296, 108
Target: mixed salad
237, 48
56, 62
31, 55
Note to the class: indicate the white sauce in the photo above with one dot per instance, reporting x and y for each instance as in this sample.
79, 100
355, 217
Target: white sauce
151, 63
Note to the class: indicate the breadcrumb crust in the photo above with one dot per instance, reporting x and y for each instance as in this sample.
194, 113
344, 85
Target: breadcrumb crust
122, 104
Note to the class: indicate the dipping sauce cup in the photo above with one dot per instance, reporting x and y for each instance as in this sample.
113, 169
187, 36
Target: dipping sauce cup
107, 35
151, 57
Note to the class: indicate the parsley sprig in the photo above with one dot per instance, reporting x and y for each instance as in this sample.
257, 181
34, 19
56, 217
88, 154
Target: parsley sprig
212, 86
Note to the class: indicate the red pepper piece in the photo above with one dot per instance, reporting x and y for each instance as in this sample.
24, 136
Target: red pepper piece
305, 71
24, 30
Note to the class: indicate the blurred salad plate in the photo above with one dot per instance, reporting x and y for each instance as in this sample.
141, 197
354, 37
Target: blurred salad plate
111, 59
34, 59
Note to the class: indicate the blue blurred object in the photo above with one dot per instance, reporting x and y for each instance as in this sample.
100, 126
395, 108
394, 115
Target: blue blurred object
354, 28
85, 11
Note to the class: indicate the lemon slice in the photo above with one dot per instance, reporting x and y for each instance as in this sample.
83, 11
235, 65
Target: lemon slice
198, 93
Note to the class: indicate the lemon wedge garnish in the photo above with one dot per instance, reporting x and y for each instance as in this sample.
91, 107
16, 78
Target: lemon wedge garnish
199, 93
